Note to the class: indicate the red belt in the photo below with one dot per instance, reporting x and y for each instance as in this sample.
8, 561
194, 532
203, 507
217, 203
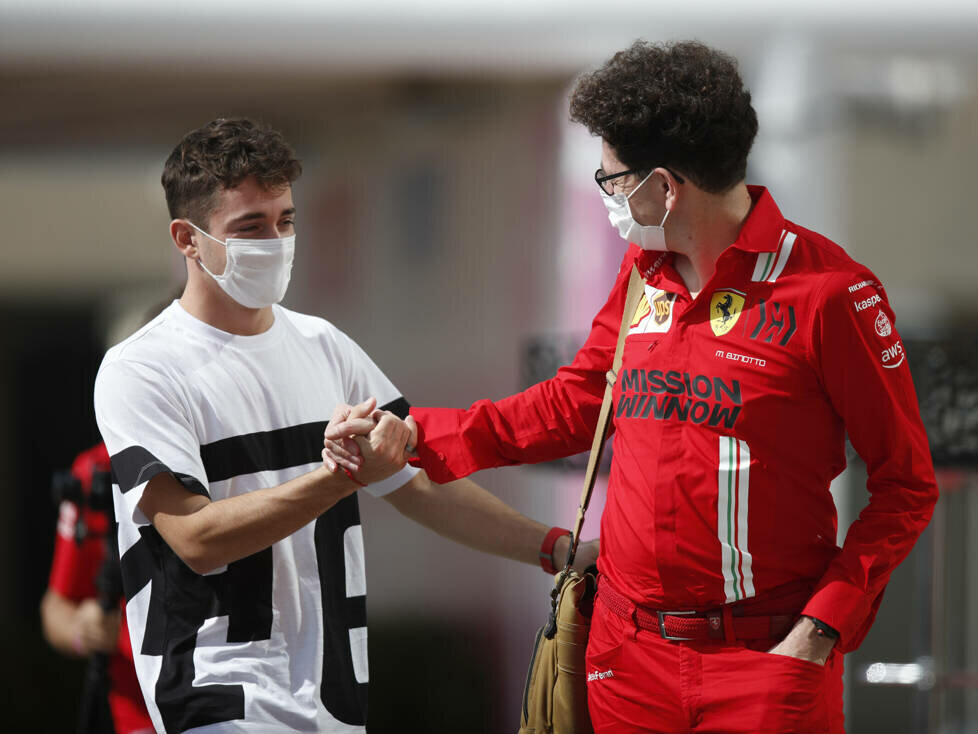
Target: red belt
723, 623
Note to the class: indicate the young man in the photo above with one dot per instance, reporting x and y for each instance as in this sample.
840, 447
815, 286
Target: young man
242, 555
725, 603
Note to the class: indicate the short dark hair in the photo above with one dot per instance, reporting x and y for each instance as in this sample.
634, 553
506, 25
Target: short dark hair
678, 105
220, 155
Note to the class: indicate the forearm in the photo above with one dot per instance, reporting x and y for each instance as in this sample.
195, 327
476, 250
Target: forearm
58, 622
466, 513
548, 421
217, 533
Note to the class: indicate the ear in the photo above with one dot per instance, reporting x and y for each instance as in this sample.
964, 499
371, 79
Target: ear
182, 235
670, 187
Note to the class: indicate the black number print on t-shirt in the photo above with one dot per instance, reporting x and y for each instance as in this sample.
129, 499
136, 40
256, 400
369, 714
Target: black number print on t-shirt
180, 602
342, 695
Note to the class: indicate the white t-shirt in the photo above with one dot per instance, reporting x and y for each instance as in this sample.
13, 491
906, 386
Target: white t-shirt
276, 641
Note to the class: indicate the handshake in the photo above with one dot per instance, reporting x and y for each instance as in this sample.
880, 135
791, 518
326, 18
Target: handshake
367, 444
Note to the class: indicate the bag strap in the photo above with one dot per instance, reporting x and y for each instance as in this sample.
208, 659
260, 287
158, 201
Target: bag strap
636, 287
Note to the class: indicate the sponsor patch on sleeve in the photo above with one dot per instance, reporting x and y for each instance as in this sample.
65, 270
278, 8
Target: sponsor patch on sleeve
893, 355
863, 284
882, 325
867, 302
871, 312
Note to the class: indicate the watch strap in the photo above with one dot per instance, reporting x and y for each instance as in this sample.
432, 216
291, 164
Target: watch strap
822, 629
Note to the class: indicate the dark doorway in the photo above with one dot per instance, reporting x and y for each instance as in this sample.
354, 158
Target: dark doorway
48, 364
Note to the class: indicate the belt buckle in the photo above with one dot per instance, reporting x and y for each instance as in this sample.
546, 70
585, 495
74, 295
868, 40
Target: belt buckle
662, 625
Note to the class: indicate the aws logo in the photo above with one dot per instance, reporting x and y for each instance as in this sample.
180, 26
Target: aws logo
893, 356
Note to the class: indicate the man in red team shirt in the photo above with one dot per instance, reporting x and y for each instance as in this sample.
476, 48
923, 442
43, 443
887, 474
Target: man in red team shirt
72, 618
725, 603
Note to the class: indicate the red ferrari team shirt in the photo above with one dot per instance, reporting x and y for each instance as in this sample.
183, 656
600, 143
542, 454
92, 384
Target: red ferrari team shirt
730, 417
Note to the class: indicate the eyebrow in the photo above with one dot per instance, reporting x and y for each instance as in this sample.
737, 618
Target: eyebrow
258, 215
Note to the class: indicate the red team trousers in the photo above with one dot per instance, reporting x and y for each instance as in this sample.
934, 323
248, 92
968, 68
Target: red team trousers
640, 682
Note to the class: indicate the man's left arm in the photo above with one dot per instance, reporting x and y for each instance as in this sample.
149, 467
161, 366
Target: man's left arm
466, 513
863, 366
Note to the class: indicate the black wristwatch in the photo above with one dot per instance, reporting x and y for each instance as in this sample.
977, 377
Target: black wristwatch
824, 630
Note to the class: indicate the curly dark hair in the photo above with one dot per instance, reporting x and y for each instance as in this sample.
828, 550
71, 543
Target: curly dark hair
679, 105
220, 155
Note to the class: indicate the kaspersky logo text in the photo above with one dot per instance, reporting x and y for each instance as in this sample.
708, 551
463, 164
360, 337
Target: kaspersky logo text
680, 396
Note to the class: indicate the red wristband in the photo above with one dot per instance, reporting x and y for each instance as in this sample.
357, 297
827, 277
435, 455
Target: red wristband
547, 549
352, 476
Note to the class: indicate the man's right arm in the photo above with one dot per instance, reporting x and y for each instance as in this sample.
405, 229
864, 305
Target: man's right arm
156, 461
209, 534
550, 420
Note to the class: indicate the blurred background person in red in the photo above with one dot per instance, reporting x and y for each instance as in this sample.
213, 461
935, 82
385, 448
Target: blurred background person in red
81, 611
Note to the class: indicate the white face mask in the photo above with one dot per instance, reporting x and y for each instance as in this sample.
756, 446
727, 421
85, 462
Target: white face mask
647, 236
257, 271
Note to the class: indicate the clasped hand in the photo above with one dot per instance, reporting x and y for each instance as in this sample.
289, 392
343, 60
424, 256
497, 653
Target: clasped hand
369, 443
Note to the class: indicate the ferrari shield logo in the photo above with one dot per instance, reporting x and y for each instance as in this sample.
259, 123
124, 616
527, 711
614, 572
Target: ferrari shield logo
725, 308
